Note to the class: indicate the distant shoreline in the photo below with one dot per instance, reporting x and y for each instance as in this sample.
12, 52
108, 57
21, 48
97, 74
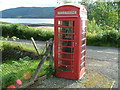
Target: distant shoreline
31, 22
37, 25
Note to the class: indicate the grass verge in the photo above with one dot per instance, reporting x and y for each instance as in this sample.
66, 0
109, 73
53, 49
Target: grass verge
22, 69
14, 50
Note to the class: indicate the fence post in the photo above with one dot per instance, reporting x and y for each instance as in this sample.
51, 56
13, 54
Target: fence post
51, 54
48, 49
33, 41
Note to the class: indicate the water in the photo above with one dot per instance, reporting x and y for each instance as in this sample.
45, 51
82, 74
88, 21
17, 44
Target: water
28, 20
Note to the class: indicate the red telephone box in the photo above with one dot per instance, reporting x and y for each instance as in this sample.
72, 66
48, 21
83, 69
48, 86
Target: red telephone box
70, 41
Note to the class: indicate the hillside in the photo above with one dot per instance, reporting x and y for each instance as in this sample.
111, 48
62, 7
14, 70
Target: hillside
29, 12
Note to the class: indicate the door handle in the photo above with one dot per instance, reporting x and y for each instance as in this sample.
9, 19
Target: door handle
75, 43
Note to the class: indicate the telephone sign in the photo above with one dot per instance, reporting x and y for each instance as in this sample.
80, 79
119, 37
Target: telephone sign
67, 12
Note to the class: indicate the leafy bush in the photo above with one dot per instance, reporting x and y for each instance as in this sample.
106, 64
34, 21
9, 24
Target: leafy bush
24, 32
105, 38
93, 27
96, 35
99, 36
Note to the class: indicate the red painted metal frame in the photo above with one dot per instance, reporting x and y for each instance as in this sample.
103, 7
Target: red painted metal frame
77, 72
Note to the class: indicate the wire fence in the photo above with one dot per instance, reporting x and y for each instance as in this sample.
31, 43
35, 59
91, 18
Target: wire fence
20, 59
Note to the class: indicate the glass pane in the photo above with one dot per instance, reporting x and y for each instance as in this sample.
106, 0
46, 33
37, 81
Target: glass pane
65, 56
82, 66
67, 37
65, 23
59, 30
65, 49
59, 49
83, 59
63, 68
59, 23
83, 48
59, 43
83, 35
83, 42
65, 62
83, 26
66, 30
66, 43
83, 53
68, 50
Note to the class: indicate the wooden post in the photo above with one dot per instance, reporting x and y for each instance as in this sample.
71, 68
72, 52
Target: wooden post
51, 55
32, 82
26, 84
48, 50
33, 41
34, 77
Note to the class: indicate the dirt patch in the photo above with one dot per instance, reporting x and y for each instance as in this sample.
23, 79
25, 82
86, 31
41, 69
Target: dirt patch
96, 80
107, 68
90, 80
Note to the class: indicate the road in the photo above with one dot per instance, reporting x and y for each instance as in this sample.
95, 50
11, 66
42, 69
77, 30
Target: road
93, 52
102, 53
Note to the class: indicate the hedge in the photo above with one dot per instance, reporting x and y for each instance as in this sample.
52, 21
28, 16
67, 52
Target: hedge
95, 35
15, 51
24, 32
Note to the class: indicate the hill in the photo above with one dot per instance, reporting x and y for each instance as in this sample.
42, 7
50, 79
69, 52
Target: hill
29, 12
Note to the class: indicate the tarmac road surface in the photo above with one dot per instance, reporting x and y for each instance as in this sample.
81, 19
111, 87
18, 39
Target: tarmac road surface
93, 52
103, 53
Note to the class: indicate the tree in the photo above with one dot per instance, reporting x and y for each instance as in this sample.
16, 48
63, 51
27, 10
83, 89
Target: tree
64, 1
105, 14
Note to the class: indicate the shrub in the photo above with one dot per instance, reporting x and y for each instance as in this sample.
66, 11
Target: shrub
24, 32
112, 37
93, 27
96, 35
104, 38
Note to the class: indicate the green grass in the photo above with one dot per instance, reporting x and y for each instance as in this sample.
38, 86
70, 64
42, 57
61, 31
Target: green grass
12, 70
44, 29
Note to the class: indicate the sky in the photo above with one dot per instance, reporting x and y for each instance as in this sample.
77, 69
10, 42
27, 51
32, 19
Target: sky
6, 4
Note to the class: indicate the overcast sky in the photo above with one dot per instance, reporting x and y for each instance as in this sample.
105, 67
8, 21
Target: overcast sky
5, 4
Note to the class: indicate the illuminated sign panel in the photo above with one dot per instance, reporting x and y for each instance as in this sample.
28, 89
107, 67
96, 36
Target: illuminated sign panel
83, 13
67, 12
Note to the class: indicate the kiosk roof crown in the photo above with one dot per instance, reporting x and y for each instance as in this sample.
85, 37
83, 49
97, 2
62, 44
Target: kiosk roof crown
70, 10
